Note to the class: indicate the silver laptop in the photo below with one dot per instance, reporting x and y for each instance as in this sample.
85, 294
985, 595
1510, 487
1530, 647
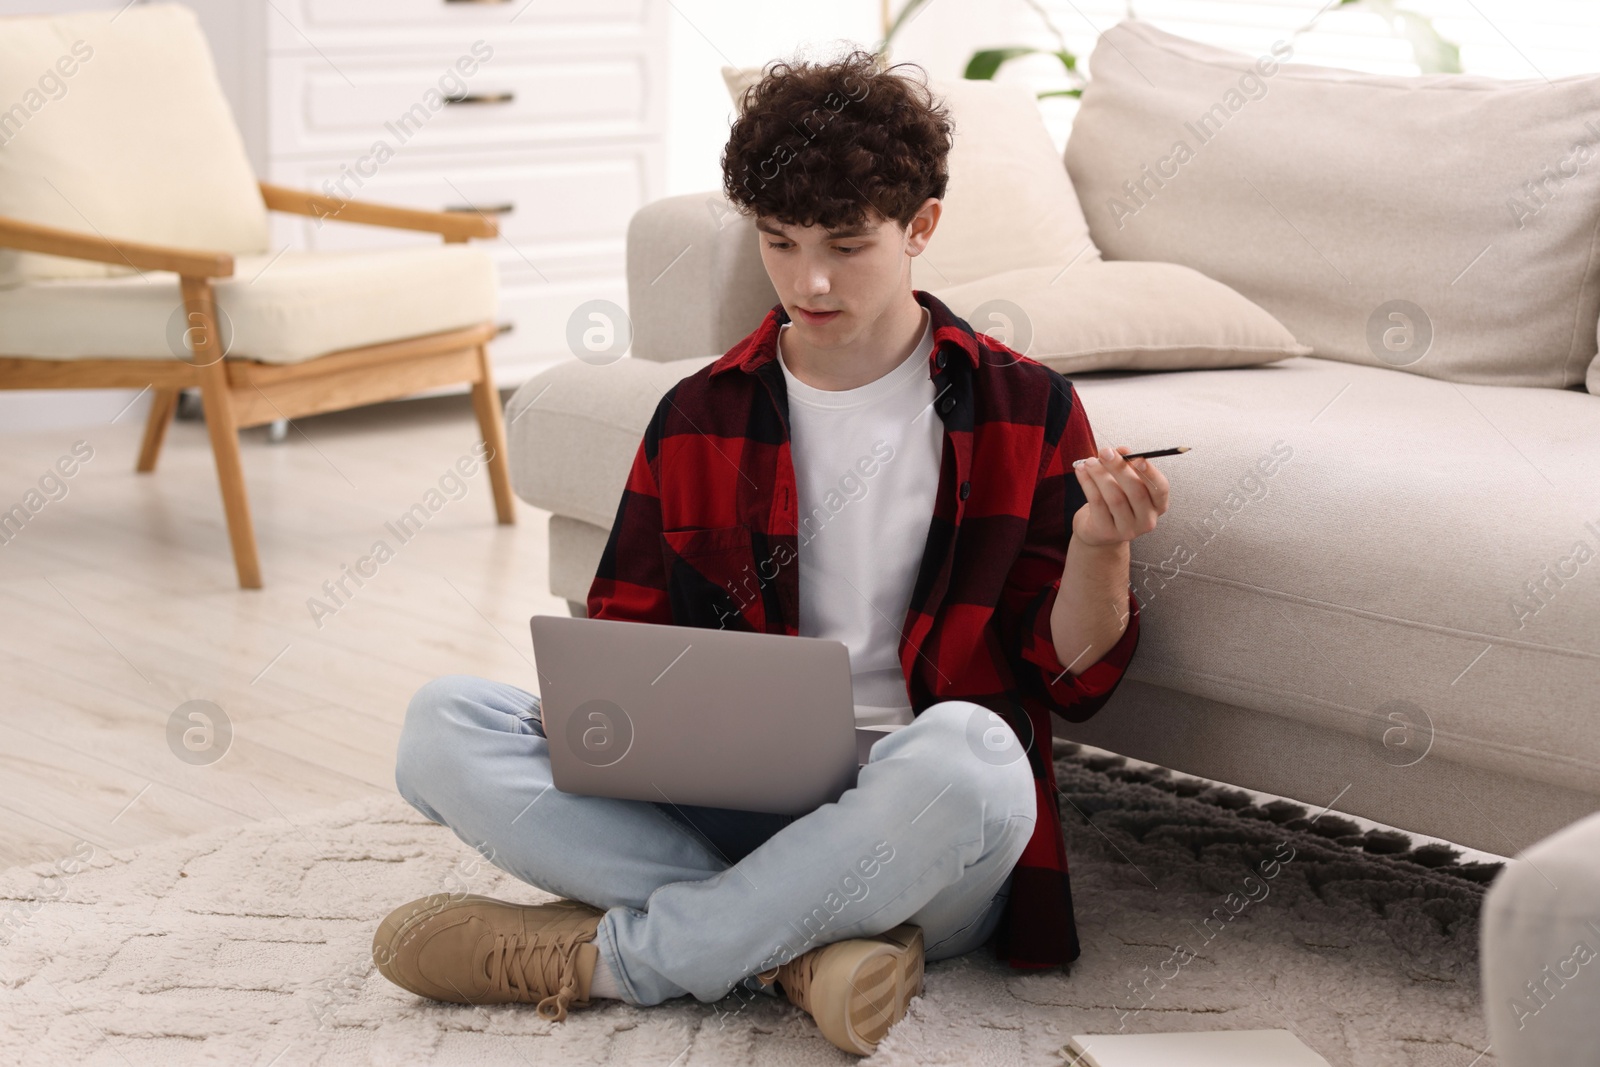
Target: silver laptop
694, 716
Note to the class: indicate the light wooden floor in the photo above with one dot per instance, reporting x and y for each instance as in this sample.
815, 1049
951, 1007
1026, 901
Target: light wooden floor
118, 603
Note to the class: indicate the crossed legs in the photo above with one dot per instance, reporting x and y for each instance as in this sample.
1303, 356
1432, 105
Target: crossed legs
928, 836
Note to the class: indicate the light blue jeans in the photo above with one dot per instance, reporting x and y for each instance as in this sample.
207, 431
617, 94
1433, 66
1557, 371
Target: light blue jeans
698, 900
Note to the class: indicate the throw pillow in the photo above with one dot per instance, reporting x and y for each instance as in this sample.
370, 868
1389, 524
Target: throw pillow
1444, 225
1121, 316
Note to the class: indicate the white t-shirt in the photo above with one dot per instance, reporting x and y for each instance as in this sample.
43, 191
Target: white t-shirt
866, 465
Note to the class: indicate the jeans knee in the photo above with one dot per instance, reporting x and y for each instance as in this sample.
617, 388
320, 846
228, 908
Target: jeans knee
979, 756
420, 746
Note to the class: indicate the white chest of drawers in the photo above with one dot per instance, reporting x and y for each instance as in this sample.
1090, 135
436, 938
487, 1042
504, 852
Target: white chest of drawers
548, 114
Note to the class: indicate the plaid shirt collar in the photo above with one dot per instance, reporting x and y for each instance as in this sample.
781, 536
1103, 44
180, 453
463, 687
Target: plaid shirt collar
951, 336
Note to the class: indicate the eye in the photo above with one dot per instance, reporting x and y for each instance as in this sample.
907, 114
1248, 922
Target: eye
847, 251
780, 245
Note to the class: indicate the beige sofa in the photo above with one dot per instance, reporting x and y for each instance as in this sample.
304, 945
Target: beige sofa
1377, 586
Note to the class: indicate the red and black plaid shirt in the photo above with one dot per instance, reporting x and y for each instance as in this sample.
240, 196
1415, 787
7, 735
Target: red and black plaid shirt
705, 535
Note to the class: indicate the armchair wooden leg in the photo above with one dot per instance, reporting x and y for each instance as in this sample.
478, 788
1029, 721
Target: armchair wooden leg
164, 403
224, 433
486, 402
223, 429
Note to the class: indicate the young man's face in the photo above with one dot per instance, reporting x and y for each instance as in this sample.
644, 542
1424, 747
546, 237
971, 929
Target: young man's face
851, 276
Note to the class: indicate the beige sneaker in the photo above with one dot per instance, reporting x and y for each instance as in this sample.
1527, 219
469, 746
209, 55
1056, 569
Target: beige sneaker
855, 989
478, 950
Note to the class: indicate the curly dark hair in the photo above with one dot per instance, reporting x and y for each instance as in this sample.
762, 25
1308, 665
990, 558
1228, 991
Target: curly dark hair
818, 144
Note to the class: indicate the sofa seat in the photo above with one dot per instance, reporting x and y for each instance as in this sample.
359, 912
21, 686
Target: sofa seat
1388, 565
276, 308
1344, 544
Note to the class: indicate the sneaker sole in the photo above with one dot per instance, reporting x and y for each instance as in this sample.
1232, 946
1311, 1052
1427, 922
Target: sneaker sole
884, 976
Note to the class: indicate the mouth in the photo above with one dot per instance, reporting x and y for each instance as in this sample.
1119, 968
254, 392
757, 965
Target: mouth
817, 318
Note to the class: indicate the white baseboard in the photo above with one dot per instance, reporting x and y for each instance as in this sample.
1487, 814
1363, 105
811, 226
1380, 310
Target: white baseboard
59, 409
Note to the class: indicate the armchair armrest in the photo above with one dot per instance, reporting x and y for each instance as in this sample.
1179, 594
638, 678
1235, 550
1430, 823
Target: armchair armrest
452, 225
191, 263
696, 284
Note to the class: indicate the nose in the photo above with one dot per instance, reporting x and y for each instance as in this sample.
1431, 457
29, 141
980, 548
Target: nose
814, 278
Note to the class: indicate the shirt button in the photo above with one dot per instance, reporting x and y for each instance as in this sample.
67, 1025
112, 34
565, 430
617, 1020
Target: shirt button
940, 359
966, 490
946, 404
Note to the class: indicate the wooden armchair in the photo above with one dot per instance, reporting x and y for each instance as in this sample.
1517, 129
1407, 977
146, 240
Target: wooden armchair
310, 332
239, 393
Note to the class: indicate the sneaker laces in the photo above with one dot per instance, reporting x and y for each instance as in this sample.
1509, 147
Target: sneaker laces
794, 976
551, 965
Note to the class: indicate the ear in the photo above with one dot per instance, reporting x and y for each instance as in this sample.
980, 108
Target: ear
920, 229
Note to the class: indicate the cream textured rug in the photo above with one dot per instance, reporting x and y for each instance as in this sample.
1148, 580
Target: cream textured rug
251, 945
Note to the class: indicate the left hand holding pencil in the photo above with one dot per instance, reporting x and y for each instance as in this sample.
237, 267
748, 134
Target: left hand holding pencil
1123, 498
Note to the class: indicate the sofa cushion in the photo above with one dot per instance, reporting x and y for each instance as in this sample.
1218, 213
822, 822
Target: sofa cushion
1137, 316
1009, 203
279, 310
1344, 545
1444, 225
116, 125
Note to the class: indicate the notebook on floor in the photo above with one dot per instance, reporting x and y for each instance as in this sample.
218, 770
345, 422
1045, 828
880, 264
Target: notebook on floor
1209, 1048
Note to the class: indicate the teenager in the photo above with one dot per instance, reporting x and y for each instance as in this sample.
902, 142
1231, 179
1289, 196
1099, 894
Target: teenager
863, 467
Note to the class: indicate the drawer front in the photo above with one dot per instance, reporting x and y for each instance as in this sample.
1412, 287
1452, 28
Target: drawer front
538, 315
307, 25
563, 215
491, 97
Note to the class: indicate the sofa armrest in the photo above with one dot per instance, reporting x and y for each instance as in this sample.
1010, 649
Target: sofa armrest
696, 285
572, 431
